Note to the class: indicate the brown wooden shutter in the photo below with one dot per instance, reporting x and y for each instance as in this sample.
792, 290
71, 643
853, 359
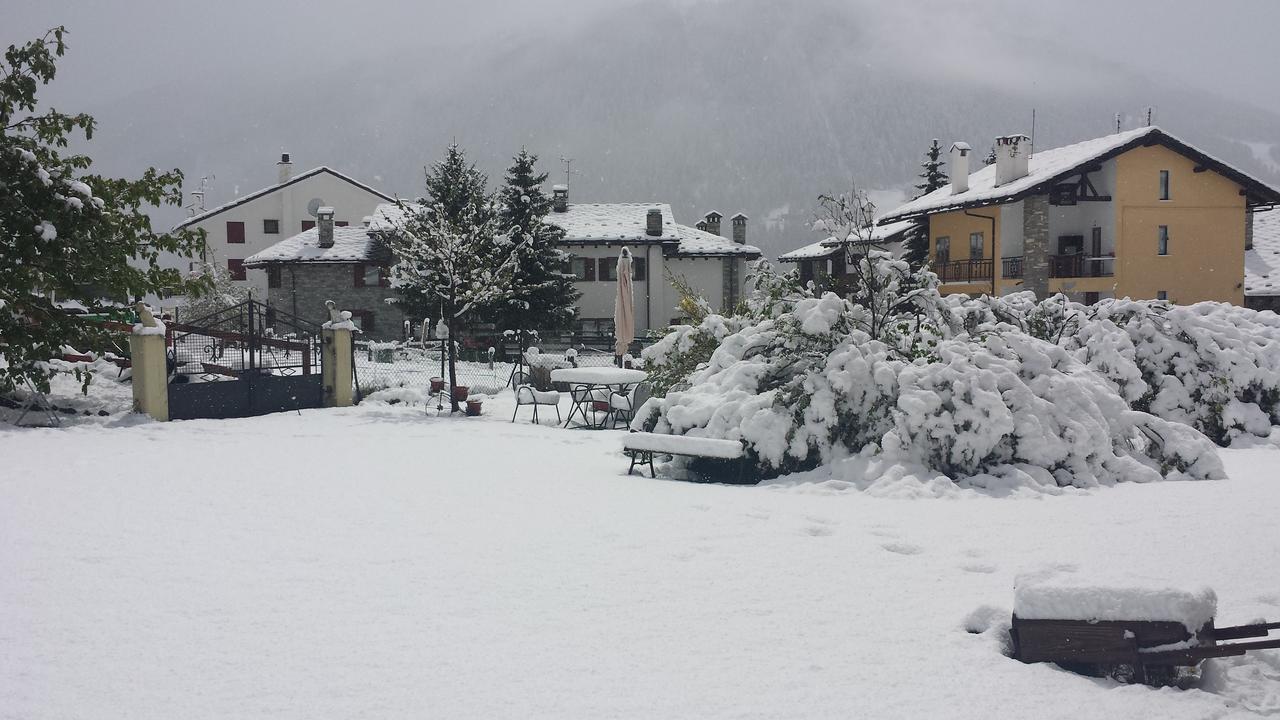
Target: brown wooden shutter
308, 224
235, 266
273, 276
359, 279
384, 277
235, 231
589, 269
639, 269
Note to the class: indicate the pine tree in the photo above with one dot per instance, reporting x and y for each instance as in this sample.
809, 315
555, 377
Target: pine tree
542, 296
452, 253
932, 177
66, 233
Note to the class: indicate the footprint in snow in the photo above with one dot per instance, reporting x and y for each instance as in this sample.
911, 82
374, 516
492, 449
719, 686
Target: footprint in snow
902, 548
883, 532
979, 568
819, 531
701, 507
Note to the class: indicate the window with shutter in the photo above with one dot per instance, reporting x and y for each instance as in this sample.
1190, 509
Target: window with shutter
308, 224
235, 266
358, 275
273, 276
235, 232
271, 227
608, 269
639, 269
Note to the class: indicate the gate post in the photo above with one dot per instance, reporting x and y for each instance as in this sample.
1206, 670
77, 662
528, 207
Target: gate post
336, 369
150, 371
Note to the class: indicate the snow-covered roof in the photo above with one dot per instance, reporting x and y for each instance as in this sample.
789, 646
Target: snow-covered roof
1262, 263
350, 244
1046, 167
613, 223
700, 243
272, 188
387, 217
812, 251
880, 233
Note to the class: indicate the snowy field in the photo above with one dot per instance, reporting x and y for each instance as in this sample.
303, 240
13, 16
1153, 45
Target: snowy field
378, 562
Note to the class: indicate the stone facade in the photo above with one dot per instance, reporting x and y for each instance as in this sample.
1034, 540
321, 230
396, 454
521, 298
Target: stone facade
304, 287
1035, 245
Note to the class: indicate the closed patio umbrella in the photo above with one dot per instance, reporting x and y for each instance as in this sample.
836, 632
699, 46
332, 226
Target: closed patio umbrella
624, 314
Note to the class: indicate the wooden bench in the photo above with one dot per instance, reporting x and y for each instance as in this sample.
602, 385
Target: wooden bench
642, 446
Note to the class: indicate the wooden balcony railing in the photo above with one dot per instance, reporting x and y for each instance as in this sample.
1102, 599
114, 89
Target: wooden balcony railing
960, 271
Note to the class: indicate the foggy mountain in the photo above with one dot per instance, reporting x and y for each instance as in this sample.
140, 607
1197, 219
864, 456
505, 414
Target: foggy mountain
749, 106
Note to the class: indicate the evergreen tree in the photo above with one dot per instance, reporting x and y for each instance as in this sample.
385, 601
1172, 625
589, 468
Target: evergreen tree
542, 296
66, 234
932, 177
453, 255
990, 159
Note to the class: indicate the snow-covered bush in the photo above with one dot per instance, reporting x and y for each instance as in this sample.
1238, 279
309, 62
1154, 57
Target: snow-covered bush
1000, 390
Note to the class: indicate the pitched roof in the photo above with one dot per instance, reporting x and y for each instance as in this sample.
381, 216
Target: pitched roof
881, 233
1262, 263
585, 223
1047, 167
350, 244
272, 188
700, 243
812, 251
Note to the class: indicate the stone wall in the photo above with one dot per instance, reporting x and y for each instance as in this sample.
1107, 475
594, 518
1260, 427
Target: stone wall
306, 287
1035, 245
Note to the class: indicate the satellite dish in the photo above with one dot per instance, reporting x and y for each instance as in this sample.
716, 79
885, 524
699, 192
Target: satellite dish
314, 206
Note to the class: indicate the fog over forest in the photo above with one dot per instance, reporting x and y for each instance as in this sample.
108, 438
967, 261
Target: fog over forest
736, 105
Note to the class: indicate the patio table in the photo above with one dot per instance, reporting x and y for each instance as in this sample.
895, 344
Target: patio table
586, 381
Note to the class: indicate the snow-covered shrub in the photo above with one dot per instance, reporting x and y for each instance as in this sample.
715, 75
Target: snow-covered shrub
1213, 366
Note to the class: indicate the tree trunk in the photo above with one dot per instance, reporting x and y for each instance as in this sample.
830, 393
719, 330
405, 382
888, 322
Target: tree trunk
453, 366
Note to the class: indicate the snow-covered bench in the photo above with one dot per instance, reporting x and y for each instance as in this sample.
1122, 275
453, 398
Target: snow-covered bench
641, 447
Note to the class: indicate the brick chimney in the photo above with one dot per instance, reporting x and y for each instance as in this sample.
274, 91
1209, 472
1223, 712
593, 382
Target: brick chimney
1012, 152
713, 222
324, 226
560, 198
285, 167
653, 222
960, 152
739, 223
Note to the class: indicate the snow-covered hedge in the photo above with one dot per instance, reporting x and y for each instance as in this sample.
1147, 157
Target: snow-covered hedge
980, 390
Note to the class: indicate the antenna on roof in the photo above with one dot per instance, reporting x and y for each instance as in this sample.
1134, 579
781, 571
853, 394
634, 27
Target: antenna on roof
197, 196
1032, 150
1148, 116
1117, 122
568, 164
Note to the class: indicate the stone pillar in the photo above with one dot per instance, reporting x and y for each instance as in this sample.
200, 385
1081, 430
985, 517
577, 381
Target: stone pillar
1035, 245
150, 374
336, 368
1248, 229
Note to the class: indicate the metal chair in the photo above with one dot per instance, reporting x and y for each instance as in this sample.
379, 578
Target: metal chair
623, 405
531, 396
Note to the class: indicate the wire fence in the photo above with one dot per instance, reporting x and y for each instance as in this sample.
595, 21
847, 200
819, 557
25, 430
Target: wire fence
483, 369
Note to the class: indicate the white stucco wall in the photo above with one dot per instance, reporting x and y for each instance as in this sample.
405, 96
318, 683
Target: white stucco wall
1081, 218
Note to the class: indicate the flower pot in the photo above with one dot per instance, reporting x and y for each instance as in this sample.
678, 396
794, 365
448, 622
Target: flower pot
437, 384
460, 392
473, 408
600, 405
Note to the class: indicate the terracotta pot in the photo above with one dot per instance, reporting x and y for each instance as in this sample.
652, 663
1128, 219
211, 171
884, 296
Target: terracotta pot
460, 392
600, 405
473, 408
437, 384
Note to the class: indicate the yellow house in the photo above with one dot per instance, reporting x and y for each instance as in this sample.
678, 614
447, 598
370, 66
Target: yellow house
1136, 214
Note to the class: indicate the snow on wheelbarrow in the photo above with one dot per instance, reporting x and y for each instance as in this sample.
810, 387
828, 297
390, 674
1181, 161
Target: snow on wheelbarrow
1133, 630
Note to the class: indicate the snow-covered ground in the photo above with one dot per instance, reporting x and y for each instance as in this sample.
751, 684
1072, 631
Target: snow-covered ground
380, 562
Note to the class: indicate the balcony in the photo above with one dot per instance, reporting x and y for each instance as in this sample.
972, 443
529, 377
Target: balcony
965, 271
1064, 266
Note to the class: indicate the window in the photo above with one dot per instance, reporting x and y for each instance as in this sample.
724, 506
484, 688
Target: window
235, 266
976, 246
1164, 184
273, 276
942, 250
235, 231
369, 276
584, 268
363, 319
639, 269
608, 269
1162, 294
271, 227
1162, 244
1091, 298
308, 224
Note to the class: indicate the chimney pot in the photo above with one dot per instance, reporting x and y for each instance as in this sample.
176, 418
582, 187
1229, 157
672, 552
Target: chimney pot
739, 223
1011, 158
324, 226
713, 222
653, 222
560, 198
960, 152
285, 167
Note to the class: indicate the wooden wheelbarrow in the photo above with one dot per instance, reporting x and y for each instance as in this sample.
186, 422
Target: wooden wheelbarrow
1139, 651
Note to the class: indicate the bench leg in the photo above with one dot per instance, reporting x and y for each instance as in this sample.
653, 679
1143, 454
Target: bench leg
652, 473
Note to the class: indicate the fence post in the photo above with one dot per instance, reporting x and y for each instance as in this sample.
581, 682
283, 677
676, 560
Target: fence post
150, 371
336, 367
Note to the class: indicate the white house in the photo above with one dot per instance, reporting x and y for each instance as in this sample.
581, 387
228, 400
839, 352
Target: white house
254, 222
1262, 262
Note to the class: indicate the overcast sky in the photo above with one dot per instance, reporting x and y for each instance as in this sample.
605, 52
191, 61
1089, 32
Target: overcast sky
123, 46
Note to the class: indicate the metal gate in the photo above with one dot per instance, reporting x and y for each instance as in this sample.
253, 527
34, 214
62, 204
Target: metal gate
248, 359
